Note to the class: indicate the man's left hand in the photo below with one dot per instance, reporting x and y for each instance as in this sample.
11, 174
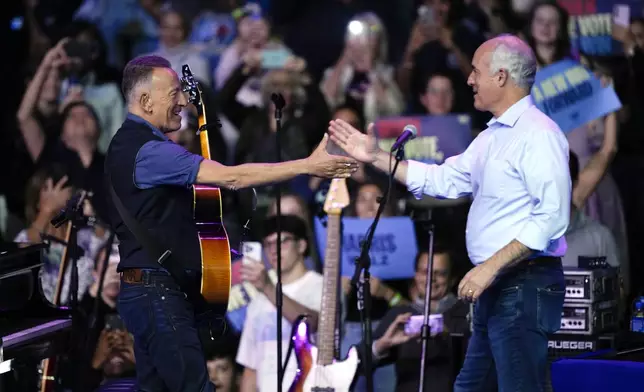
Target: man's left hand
255, 274
476, 281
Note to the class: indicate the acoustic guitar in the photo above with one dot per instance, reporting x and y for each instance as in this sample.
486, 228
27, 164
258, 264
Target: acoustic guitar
213, 239
317, 368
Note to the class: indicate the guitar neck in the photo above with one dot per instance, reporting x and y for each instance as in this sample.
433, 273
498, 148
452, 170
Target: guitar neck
203, 135
327, 319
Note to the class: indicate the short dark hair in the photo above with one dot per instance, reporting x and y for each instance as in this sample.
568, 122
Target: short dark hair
139, 70
440, 248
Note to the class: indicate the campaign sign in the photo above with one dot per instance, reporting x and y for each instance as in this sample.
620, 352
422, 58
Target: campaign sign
571, 95
439, 137
590, 25
393, 249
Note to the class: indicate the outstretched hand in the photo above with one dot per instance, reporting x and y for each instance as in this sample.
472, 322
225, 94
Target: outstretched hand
362, 147
323, 164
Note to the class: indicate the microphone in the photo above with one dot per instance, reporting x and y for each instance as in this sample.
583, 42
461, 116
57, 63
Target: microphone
409, 132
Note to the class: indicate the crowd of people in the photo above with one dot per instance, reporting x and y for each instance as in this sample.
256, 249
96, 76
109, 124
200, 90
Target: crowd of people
336, 59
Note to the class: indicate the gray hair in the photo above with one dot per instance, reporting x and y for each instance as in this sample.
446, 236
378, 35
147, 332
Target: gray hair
516, 57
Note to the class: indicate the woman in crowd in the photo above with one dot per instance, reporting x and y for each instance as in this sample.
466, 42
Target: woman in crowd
438, 99
443, 37
47, 193
361, 76
547, 32
173, 36
89, 76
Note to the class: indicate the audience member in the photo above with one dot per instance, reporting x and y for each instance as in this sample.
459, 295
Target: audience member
362, 76
174, 46
393, 345
302, 295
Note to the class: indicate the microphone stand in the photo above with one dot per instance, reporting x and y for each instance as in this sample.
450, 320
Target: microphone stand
361, 278
425, 331
279, 103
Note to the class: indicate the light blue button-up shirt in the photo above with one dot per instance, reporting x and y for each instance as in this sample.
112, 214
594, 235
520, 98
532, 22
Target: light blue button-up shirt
517, 172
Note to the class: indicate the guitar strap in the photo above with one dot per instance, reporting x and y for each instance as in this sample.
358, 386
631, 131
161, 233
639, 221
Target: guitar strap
148, 243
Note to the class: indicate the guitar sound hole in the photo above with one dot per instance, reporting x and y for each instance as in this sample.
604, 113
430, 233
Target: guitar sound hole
322, 389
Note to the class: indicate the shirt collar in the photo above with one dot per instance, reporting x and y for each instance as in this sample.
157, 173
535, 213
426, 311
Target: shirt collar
510, 116
140, 120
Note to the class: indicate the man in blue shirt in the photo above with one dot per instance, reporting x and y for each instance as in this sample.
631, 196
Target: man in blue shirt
517, 173
152, 177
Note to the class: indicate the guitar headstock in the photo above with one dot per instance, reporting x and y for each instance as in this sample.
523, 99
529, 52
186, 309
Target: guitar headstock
191, 86
337, 198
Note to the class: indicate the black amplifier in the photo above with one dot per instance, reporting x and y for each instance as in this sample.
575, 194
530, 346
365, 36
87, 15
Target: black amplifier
589, 319
588, 286
565, 345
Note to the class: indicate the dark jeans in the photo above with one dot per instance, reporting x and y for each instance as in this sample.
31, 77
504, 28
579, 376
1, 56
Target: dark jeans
511, 323
169, 356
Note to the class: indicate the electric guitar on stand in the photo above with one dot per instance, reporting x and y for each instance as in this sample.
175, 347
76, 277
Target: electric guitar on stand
213, 239
317, 368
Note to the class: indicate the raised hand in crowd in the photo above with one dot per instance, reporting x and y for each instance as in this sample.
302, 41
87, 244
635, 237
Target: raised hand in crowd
109, 342
394, 336
74, 94
54, 196
122, 343
252, 60
41, 97
254, 272
295, 64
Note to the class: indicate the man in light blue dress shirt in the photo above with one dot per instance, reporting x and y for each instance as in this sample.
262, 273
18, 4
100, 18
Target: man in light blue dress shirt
517, 173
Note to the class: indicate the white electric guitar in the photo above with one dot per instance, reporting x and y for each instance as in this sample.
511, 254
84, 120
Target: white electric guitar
317, 369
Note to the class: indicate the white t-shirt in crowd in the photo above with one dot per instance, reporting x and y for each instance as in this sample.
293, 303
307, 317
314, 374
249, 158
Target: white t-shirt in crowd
258, 344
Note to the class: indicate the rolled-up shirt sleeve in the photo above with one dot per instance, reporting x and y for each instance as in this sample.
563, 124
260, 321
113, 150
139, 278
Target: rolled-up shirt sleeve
450, 180
545, 171
165, 163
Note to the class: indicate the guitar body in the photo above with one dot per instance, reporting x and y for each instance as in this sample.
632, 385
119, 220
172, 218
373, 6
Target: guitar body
213, 239
314, 377
215, 247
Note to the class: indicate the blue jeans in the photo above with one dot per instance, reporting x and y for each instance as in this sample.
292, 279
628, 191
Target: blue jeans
511, 323
168, 352
384, 378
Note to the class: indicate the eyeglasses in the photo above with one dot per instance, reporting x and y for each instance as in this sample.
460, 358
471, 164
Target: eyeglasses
272, 244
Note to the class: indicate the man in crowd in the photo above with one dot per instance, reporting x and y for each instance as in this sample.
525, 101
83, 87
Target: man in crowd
517, 173
149, 177
302, 295
391, 344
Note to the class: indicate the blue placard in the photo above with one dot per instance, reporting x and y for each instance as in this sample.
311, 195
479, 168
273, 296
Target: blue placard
571, 95
590, 25
393, 249
439, 137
